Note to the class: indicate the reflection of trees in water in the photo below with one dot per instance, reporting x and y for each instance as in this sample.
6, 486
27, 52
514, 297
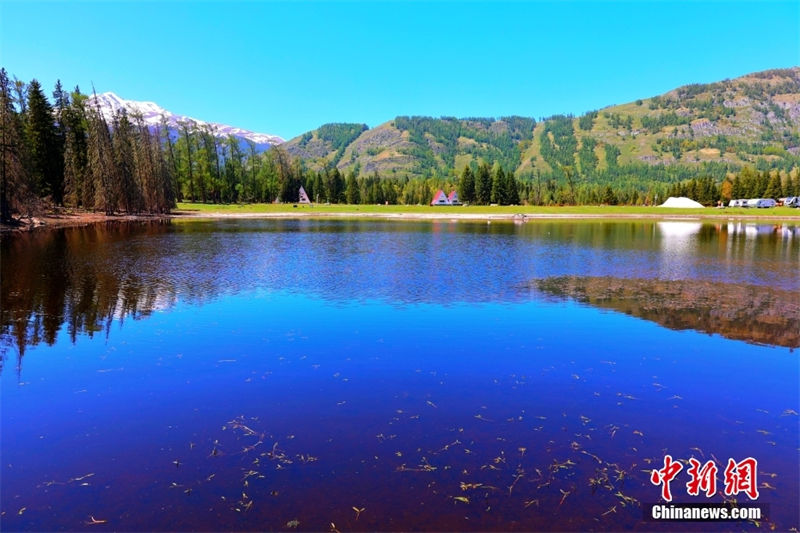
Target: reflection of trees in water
80, 280
742, 312
71, 277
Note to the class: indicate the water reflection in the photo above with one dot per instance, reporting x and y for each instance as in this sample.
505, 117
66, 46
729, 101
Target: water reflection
742, 312
83, 279
380, 376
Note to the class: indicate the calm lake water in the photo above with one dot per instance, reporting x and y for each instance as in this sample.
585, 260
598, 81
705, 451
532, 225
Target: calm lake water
377, 375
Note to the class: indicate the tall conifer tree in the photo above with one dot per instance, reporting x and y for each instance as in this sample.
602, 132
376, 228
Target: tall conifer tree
14, 185
42, 141
466, 186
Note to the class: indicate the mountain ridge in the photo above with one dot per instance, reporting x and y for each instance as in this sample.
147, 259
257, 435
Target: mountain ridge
752, 118
108, 103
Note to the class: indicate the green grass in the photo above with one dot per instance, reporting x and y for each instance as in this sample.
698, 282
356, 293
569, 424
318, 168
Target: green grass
610, 211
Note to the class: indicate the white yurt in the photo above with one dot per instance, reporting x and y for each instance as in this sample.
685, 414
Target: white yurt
681, 201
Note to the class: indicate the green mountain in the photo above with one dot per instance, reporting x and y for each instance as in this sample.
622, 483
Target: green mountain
754, 119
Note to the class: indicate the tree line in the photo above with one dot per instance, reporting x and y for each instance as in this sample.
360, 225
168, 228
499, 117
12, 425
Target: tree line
748, 183
66, 153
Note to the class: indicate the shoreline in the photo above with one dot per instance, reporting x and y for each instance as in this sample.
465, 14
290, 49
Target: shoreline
78, 219
72, 220
514, 217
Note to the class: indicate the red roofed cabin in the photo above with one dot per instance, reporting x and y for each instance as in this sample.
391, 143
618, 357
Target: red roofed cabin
441, 199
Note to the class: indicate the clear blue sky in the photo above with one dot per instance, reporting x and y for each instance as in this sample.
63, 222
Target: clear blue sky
286, 68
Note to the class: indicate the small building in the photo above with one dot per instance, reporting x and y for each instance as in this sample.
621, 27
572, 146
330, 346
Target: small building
440, 198
303, 196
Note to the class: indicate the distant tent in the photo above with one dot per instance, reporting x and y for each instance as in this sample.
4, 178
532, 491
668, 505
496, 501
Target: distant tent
303, 196
440, 198
682, 202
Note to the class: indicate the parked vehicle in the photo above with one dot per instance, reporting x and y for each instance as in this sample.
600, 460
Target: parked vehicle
761, 202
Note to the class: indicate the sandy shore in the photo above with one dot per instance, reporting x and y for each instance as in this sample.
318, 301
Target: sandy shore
62, 220
68, 219
519, 217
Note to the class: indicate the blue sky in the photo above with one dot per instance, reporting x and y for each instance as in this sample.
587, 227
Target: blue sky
288, 67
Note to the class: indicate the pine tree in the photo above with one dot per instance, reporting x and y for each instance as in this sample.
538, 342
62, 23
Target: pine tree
736, 188
773, 189
337, 187
352, 190
61, 101
211, 149
125, 188
762, 182
512, 189
15, 190
101, 170
499, 186
318, 189
298, 175
187, 130
786, 185
282, 164
171, 158
483, 185
164, 178
609, 198
569, 172
74, 118
41, 139
253, 163
389, 191
466, 186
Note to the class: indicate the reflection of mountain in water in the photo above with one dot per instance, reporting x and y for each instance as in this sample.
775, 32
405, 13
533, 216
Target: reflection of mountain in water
742, 312
78, 281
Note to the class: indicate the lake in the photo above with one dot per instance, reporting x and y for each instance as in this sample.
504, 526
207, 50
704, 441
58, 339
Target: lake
334, 375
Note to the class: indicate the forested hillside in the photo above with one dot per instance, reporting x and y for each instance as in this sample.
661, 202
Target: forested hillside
690, 132
416, 146
736, 138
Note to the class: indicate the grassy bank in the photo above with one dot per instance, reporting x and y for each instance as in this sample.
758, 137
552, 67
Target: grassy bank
480, 210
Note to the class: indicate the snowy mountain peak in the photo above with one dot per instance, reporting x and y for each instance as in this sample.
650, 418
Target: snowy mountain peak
109, 103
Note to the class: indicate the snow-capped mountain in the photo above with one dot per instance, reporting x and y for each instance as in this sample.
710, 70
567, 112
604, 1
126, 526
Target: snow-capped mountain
109, 103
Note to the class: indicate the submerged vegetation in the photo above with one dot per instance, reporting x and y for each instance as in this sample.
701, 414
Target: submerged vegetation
291, 400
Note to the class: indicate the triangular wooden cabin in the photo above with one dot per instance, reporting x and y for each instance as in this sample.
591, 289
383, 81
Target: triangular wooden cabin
440, 198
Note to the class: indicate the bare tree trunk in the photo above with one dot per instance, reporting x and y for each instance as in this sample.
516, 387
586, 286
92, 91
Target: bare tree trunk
185, 129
